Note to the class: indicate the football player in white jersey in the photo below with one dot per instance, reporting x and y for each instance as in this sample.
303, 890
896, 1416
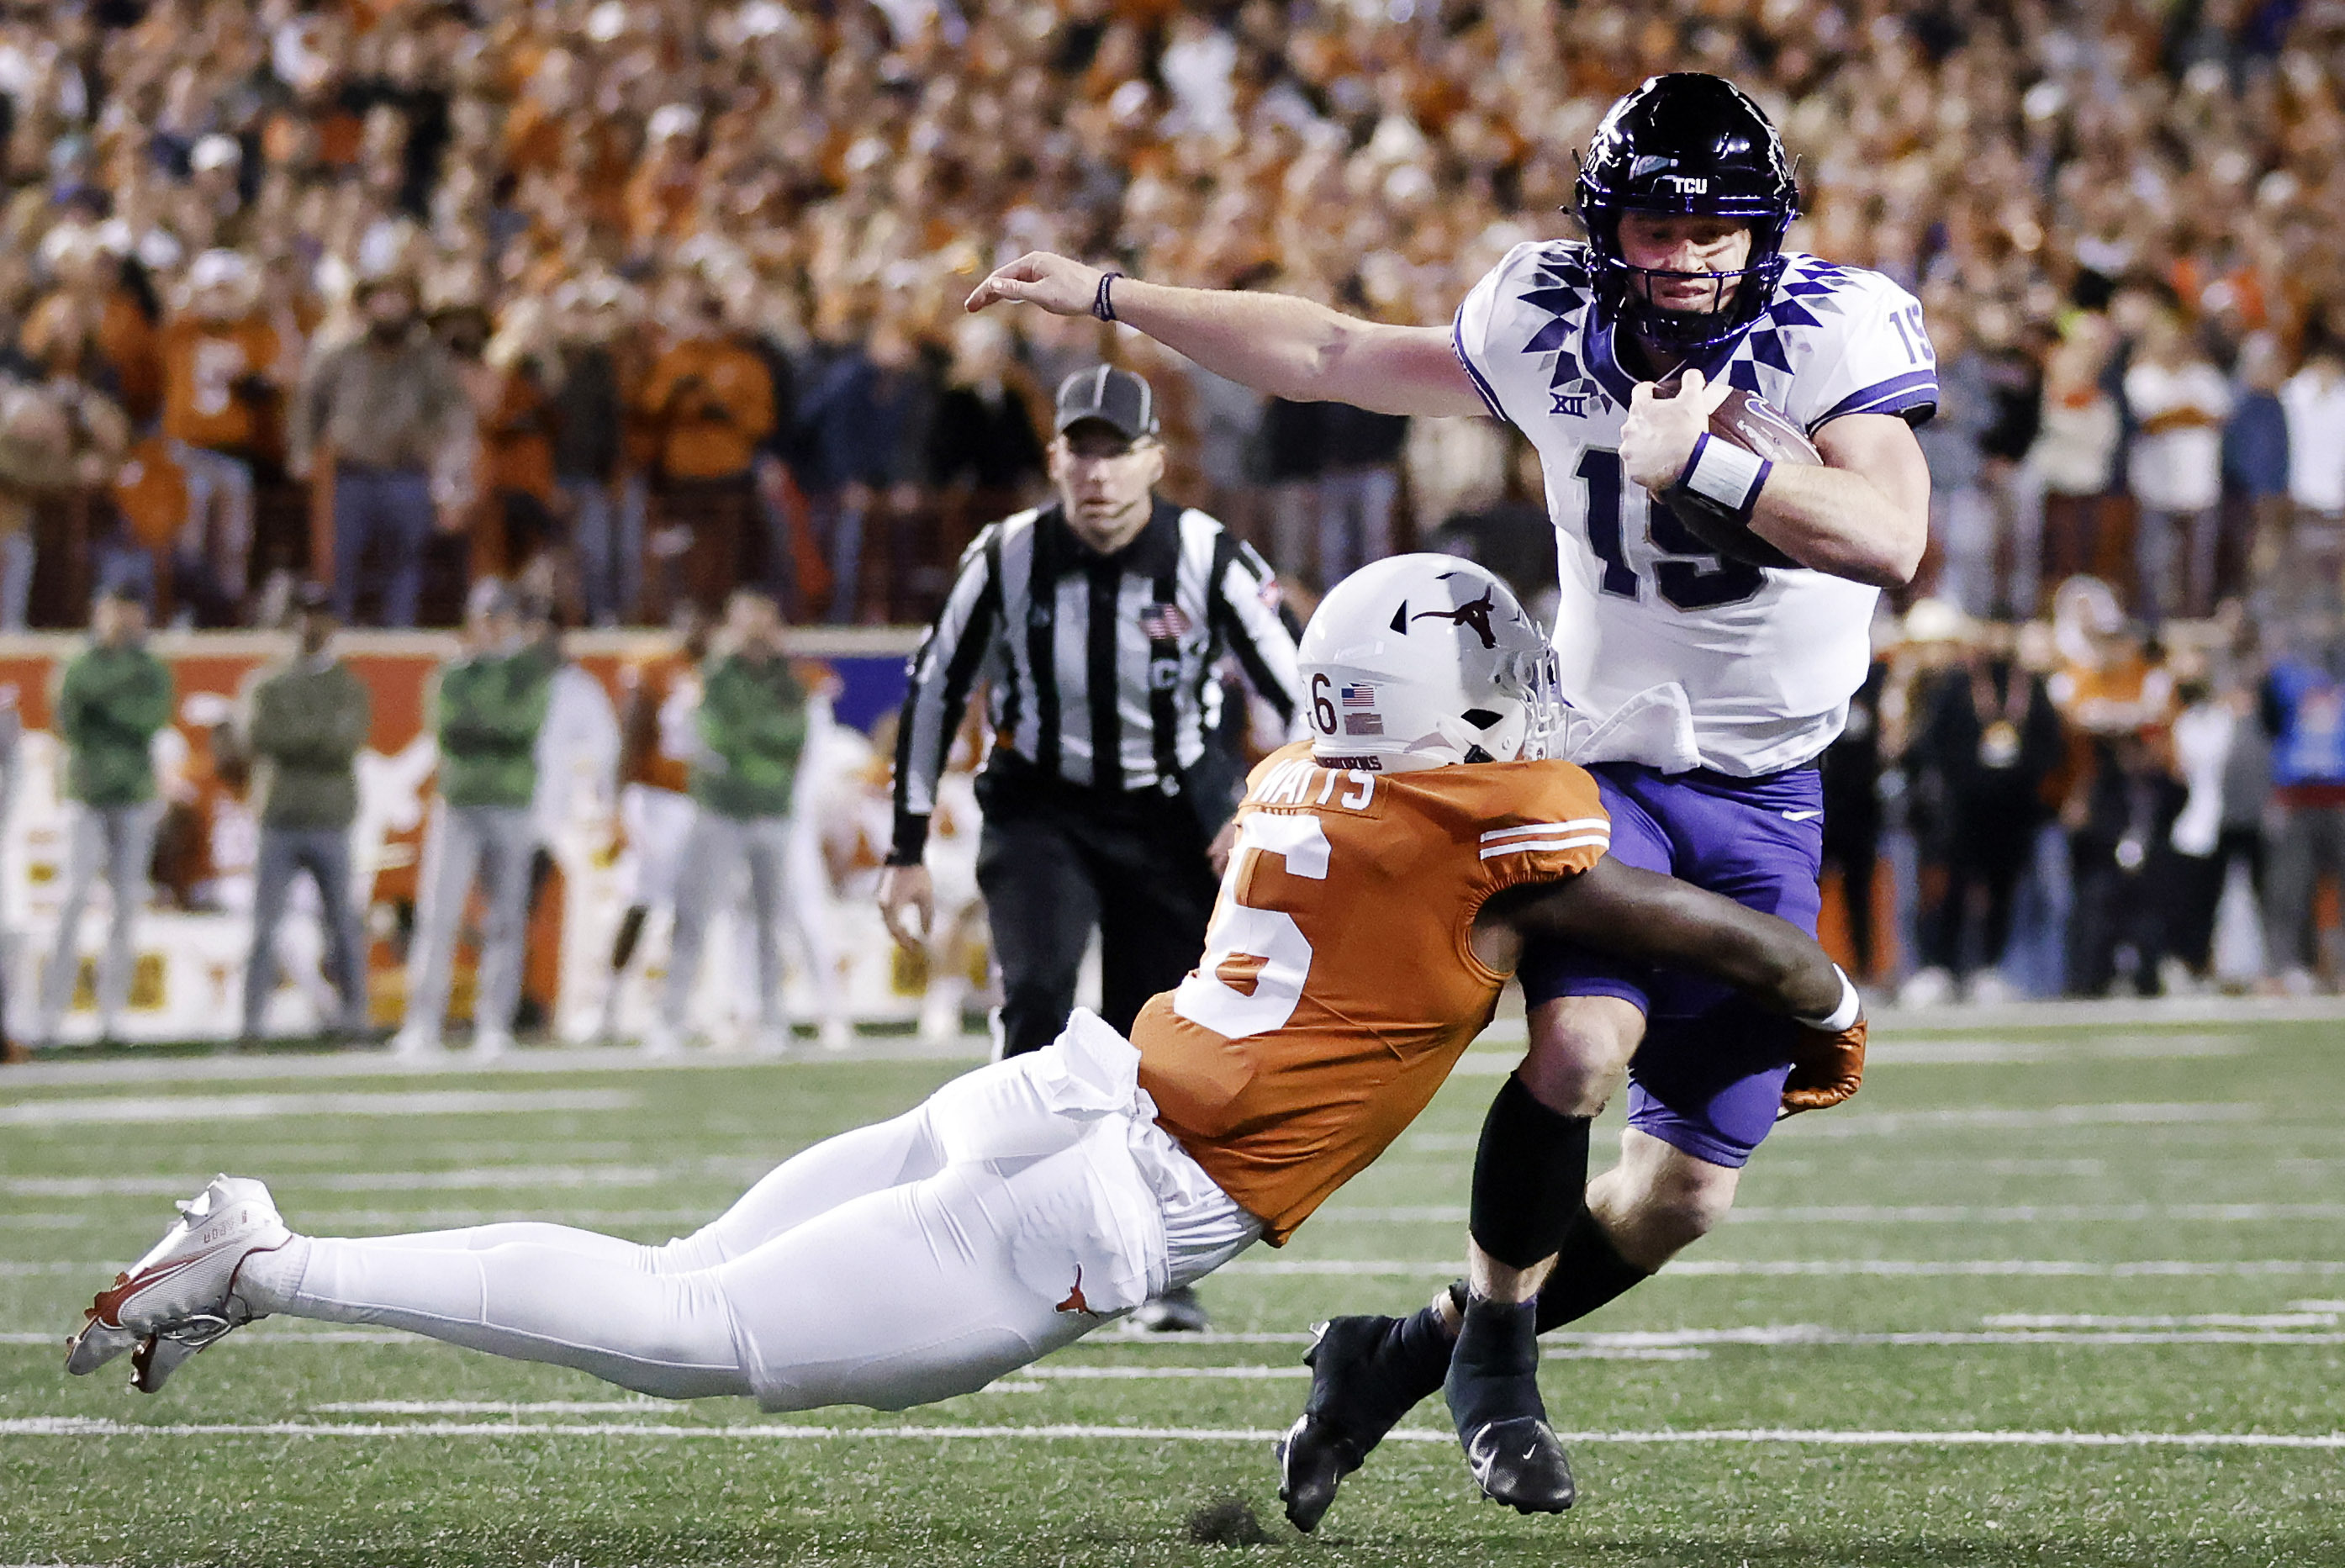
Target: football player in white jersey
1685, 195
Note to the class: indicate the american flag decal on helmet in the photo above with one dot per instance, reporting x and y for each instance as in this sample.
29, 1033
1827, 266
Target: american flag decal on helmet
1362, 695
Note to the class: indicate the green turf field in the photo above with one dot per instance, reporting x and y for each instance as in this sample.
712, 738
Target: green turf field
2070, 1295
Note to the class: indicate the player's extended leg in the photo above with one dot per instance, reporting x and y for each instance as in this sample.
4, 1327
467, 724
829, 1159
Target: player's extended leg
892, 1265
524, 1289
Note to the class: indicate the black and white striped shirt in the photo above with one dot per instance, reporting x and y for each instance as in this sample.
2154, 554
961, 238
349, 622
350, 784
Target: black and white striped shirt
1099, 669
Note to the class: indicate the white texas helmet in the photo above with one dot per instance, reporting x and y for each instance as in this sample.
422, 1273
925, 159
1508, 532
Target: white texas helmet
1421, 661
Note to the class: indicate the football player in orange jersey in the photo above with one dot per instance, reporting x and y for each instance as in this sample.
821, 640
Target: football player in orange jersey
1387, 875
655, 746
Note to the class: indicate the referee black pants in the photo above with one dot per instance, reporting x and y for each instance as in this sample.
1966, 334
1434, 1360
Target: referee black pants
1056, 861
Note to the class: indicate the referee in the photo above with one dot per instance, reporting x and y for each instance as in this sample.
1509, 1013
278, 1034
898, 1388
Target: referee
1100, 622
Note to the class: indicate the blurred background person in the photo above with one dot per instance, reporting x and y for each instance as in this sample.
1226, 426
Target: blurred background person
1358, 489
2303, 703
2312, 401
303, 720
1990, 739
486, 706
658, 739
383, 421
222, 364
589, 417
2224, 761
573, 804
867, 416
710, 402
2255, 476
111, 701
2178, 402
1962, 519
2073, 461
752, 723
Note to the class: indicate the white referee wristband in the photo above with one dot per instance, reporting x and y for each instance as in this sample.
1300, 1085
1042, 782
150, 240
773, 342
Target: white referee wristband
1726, 474
1841, 1016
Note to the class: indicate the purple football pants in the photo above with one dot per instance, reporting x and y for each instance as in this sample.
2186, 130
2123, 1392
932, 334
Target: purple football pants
1709, 1073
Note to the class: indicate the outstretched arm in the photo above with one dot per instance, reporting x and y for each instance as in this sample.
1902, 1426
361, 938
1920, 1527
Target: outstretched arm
1618, 909
1275, 343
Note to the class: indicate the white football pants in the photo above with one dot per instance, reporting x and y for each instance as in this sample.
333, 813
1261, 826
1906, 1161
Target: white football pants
1021, 1207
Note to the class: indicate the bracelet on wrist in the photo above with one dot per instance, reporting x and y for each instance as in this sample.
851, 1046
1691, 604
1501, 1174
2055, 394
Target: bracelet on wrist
1103, 306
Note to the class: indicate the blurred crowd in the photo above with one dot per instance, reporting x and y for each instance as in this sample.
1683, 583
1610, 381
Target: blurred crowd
2079, 805
645, 297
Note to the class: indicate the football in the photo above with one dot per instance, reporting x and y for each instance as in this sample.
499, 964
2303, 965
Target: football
1747, 421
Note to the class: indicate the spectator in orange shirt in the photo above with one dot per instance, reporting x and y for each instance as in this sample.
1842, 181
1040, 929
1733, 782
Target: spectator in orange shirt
219, 389
711, 399
91, 328
517, 433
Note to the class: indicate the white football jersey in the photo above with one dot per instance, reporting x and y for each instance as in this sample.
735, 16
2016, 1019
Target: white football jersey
1768, 659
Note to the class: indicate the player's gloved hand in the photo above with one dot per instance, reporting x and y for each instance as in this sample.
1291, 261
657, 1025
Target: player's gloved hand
1826, 1068
1656, 439
1057, 284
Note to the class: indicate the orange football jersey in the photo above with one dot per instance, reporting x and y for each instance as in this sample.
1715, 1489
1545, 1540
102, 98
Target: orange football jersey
202, 363
657, 683
1339, 984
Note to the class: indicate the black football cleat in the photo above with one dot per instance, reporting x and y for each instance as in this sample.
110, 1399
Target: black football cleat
1493, 1392
1367, 1373
1521, 1463
1314, 1457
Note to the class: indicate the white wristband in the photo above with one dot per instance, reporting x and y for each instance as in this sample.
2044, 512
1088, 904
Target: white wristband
1725, 473
1841, 1016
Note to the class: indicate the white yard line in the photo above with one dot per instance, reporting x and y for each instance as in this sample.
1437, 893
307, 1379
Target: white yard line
1917, 1213
1831, 1268
1790, 1334
489, 1177
147, 1108
2007, 1117
354, 1064
272, 1338
2298, 1320
86, 1426
1986, 1052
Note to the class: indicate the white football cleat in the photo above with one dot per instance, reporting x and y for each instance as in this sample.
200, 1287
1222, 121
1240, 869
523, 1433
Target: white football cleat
661, 1038
417, 1042
184, 1290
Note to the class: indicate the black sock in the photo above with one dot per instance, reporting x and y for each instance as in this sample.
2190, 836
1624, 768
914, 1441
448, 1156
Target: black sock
1494, 1368
1530, 1177
631, 929
1588, 1272
1418, 1354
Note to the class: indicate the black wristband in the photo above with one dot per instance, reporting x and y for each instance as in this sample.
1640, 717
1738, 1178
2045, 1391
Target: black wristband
1102, 306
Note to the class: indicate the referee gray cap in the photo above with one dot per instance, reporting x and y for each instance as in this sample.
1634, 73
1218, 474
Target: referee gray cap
1117, 398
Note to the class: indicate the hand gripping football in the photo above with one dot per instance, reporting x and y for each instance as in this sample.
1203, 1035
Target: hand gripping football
1747, 421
